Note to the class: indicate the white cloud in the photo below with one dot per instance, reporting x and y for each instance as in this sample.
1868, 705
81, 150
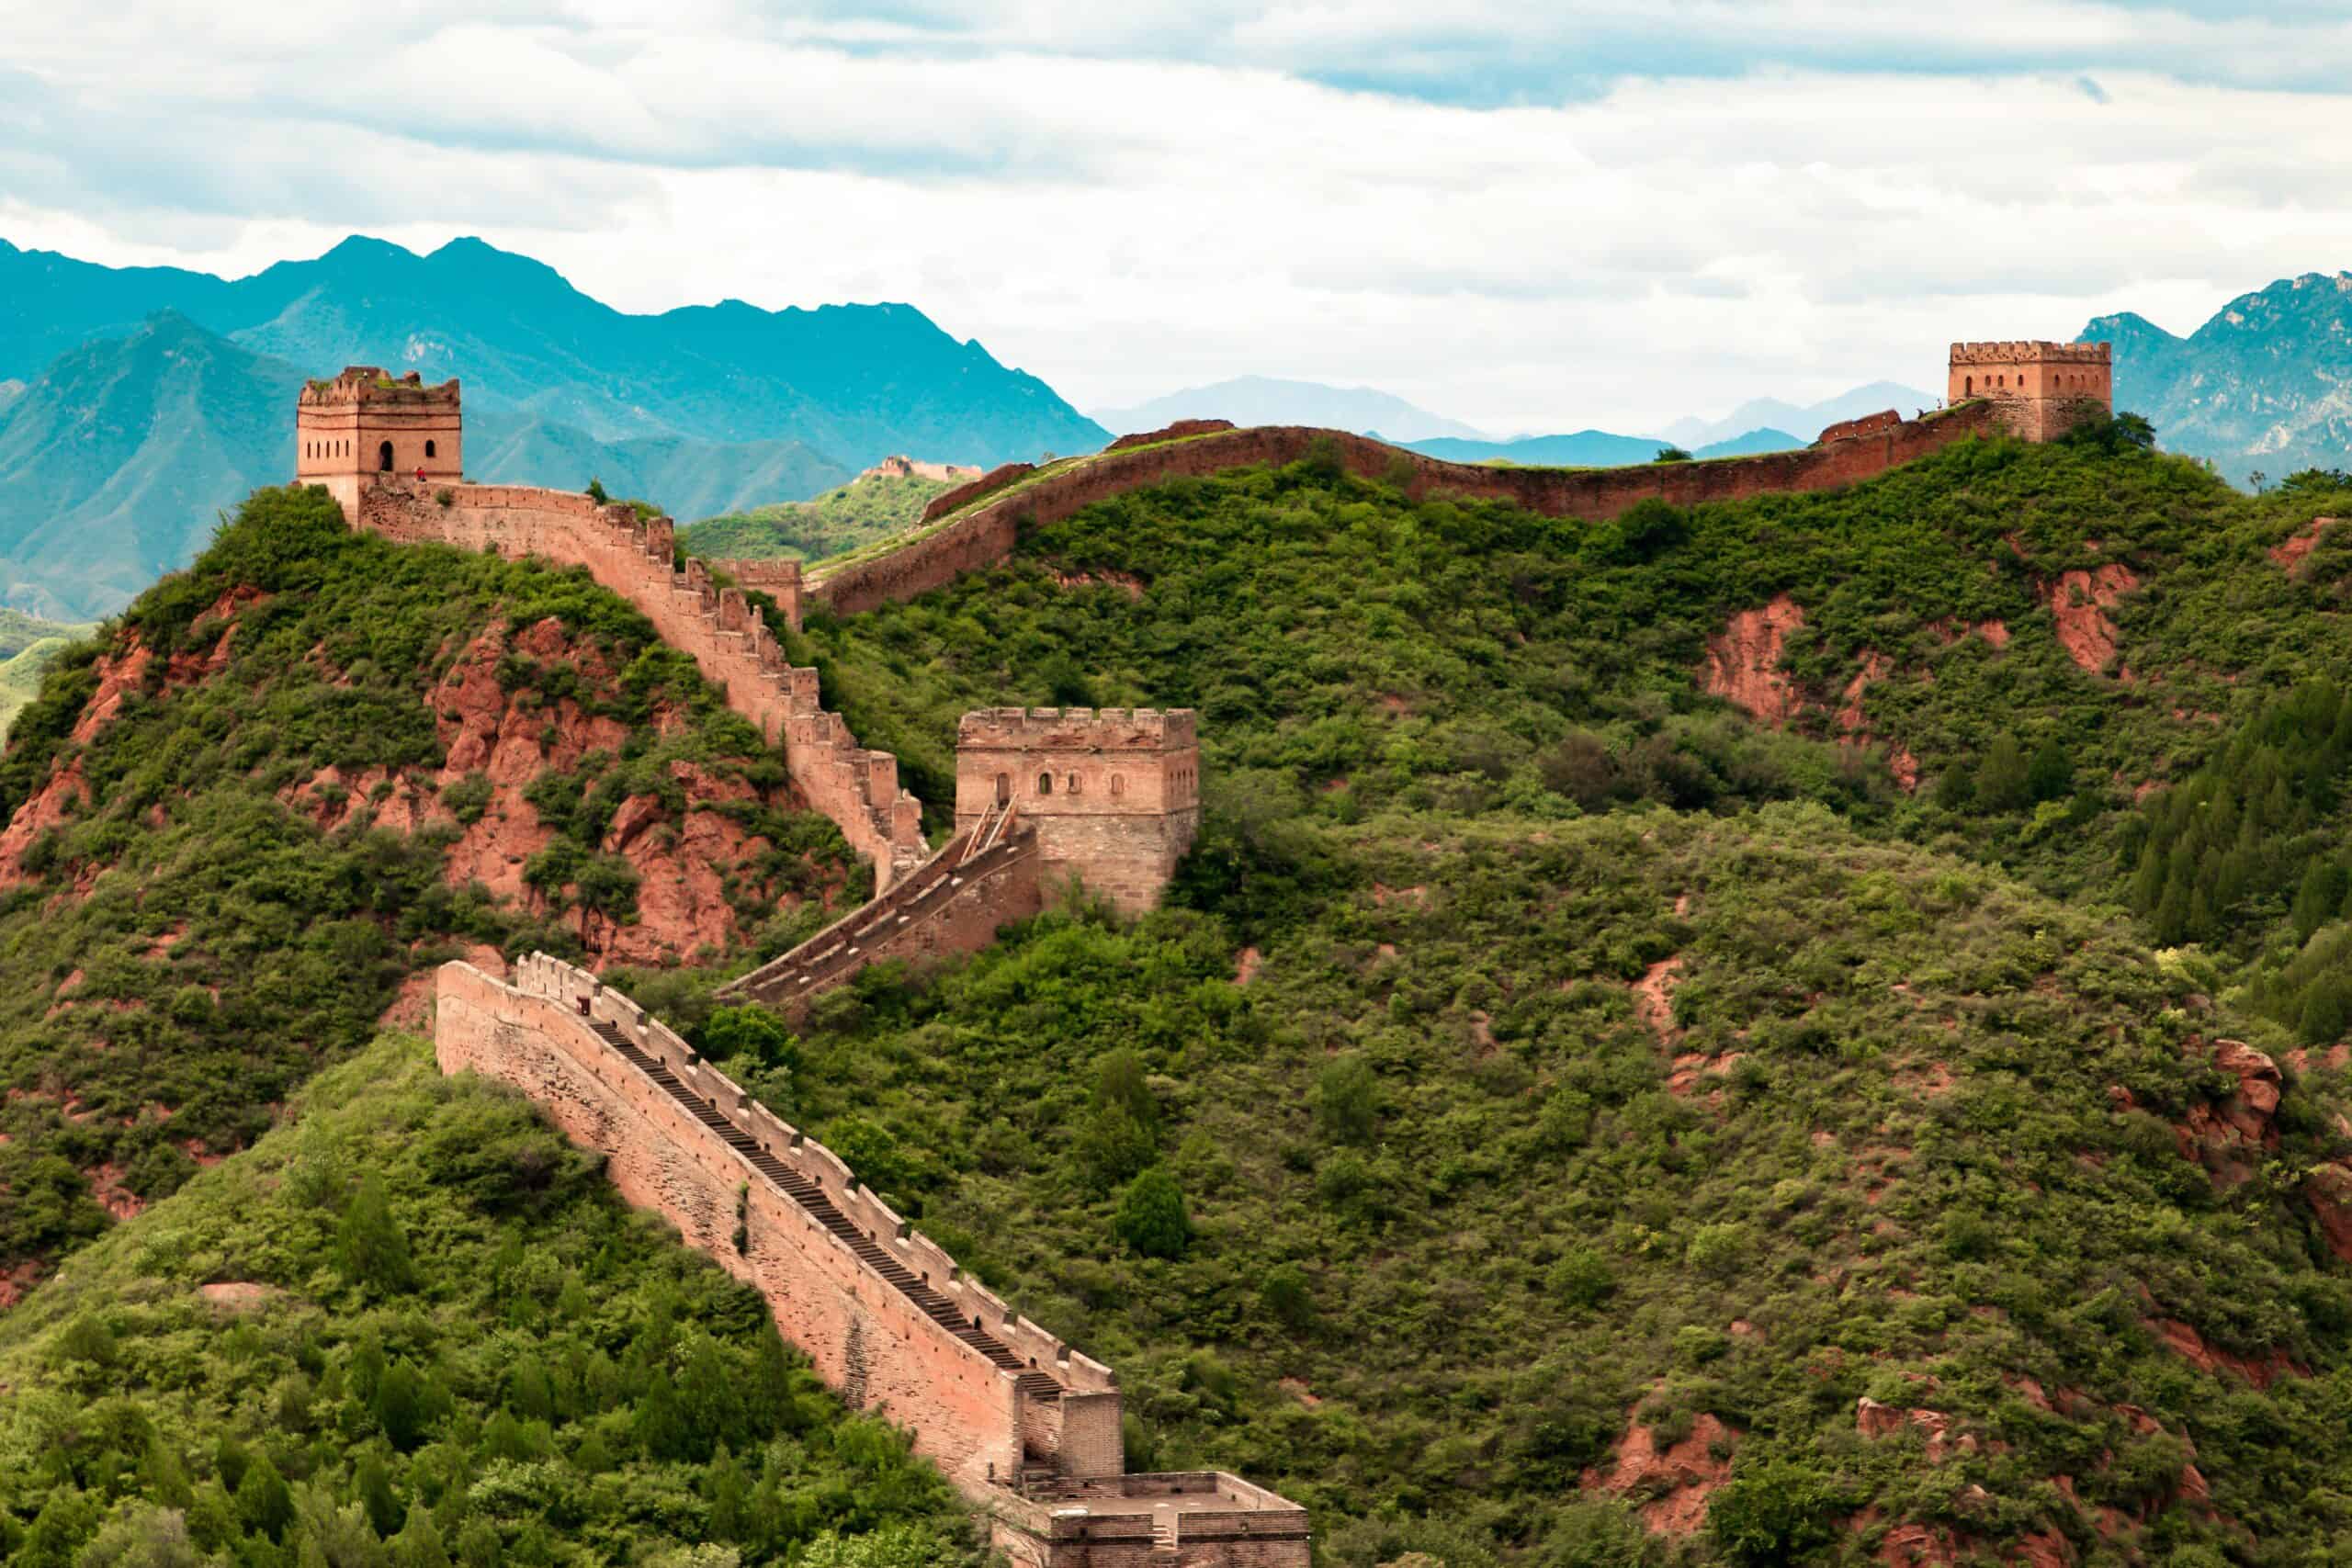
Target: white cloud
1166, 197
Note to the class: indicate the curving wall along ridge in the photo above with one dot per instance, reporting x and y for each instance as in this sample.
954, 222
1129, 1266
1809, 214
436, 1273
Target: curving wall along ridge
984, 534
726, 638
1024, 1426
984, 1390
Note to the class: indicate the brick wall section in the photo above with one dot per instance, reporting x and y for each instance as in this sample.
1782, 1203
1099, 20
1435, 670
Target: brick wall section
985, 534
865, 1335
1216, 1521
1113, 796
954, 902
963, 495
732, 644
779, 579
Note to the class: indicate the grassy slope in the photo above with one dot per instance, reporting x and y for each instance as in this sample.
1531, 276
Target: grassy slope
580, 1388
1396, 697
27, 643
182, 953
871, 507
1451, 1192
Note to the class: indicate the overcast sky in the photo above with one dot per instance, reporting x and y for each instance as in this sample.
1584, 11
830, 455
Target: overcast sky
1535, 216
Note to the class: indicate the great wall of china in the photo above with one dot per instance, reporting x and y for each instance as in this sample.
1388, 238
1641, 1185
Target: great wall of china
1028, 1427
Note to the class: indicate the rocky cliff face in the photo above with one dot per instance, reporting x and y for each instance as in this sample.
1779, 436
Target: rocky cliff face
2266, 385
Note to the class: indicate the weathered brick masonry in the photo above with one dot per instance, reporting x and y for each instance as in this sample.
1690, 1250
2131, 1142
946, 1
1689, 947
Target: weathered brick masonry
954, 902
1025, 1425
362, 410
1113, 796
986, 534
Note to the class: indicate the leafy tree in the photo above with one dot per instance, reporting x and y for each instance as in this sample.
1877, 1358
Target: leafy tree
2003, 779
1774, 1511
1671, 455
1151, 1218
1347, 1100
370, 1247
265, 1503
2051, 775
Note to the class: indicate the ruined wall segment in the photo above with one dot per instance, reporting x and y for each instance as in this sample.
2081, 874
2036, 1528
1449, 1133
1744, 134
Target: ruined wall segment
2039, 391
778, 579
984, 534
1112, 795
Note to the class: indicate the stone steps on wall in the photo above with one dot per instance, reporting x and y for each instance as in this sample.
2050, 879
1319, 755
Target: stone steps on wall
811, 1196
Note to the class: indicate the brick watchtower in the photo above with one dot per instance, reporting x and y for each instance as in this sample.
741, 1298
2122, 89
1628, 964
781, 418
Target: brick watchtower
1113, 795
363, 427
2041, 389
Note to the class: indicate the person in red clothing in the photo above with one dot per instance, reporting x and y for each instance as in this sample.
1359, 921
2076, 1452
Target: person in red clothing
420, 473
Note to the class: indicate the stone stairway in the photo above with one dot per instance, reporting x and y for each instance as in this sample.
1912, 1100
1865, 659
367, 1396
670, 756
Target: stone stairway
811, 1196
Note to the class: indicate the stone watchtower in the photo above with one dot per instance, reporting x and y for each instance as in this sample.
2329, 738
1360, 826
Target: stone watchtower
1112, 795
363, 427
2040, 389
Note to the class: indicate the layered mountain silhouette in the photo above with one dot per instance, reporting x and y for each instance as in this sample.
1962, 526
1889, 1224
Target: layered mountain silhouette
136, 401
115, 460
1266, 400
2266, 385
1597, 448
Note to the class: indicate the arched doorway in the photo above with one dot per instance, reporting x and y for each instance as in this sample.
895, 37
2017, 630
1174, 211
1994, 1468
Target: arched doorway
384, 457
1968, 388
1004, 788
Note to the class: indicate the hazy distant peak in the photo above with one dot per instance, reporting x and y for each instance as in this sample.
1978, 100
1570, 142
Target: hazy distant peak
1269, 400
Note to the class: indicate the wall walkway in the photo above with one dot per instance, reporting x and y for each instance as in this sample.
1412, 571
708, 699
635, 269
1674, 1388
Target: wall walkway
726, 636
1026, 1426
984, 532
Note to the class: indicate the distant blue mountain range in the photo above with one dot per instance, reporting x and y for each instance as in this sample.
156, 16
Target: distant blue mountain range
1595, 449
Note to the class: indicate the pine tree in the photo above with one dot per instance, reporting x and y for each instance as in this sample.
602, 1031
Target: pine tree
2001, 781
2051, 775
419, 1543
265, 1503
370, 1247
374, 1485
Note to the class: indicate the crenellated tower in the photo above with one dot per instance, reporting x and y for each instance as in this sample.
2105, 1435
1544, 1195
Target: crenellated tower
1112, 794
365, 427
2041, 389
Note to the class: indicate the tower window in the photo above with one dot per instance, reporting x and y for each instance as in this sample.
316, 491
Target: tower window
1045, 784
1074, 784
384, 457
428, 449
1118, 785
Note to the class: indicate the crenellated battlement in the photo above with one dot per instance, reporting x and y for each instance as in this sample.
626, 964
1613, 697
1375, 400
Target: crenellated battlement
1102, 729
369, 386
2039, 391
1026, 1425
2027, 350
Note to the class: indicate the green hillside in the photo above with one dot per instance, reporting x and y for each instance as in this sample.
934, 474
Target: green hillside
869, 508
1560, 1118
217, 889
415, 1326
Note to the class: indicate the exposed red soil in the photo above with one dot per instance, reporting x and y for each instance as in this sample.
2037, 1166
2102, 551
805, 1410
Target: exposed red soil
1653, 998
2186, 1343
17, 1282
238, 1295
1743, 663
2079, 601
106, 1188
2288, 555
1385, 895
1245, 966
1126, 582
1677, 1481
684, 860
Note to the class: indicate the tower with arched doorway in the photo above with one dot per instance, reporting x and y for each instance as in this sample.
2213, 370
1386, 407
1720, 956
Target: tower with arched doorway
363, 427
1112, 794
2041, 389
